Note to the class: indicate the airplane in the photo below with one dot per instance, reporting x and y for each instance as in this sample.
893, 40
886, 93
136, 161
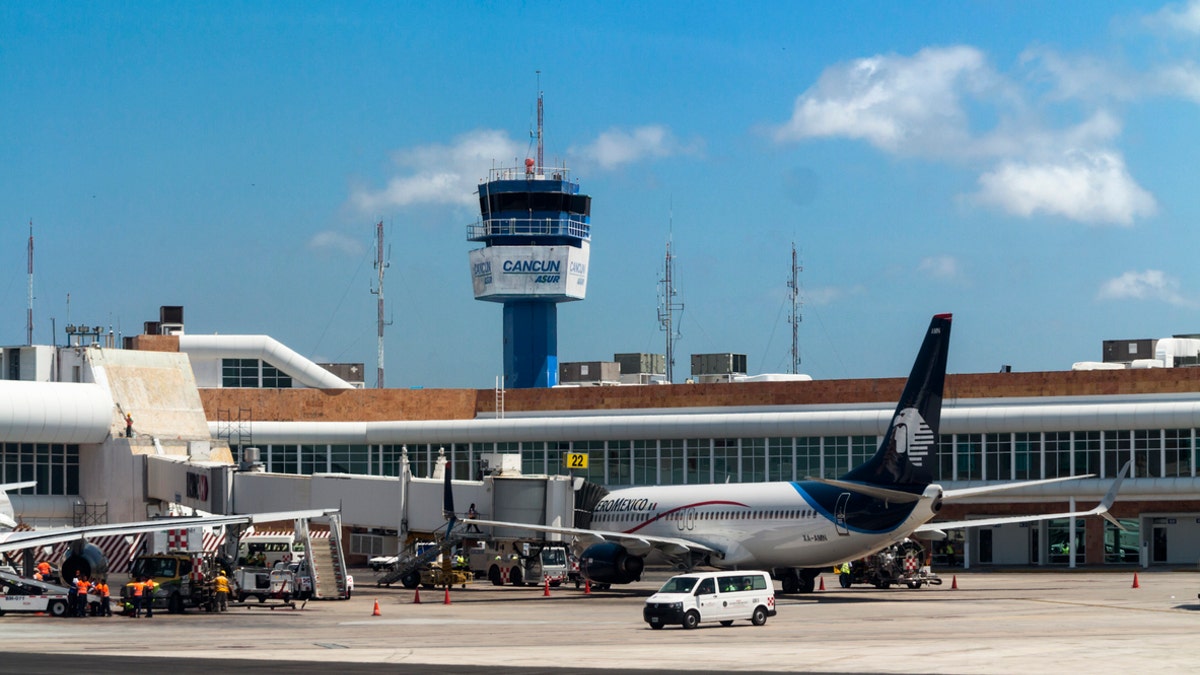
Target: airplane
87, 558
795, 529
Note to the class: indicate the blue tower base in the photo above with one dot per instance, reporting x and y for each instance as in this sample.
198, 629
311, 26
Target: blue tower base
530, 344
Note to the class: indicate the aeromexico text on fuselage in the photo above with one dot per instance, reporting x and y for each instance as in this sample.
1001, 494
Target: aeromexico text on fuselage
797, 500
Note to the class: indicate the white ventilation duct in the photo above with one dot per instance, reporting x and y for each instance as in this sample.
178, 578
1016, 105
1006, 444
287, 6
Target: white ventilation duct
266, 349
54, 412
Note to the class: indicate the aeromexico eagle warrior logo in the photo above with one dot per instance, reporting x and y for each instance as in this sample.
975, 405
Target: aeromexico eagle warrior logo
911, 436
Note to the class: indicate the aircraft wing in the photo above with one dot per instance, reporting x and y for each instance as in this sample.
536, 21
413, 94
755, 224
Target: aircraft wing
951, 495
1101, 509
637, 544
13, 541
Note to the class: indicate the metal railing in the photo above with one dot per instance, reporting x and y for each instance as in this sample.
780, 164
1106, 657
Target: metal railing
533, 173
529, 227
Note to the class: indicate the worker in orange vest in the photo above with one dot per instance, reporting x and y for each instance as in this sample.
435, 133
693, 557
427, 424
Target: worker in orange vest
148, 597
105, 608
137, 587
44, 569
81, 595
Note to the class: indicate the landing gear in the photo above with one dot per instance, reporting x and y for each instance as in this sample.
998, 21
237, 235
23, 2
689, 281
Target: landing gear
798, 580
808, 580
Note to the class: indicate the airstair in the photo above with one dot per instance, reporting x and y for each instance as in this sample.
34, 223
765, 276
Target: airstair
326, 560
410, 560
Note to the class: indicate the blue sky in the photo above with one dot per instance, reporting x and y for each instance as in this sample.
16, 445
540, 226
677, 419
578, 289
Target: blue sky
1022, 165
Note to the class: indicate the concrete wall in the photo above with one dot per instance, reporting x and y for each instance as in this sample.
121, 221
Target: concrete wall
156, 388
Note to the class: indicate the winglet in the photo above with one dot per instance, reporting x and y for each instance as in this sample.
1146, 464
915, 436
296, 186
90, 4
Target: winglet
1111, 496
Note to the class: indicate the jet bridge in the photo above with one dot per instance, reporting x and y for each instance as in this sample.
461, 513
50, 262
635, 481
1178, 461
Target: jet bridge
400, 509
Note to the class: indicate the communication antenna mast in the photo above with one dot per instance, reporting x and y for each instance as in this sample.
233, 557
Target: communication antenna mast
795, 318
539, 122
29, 317
380, 265
666, 311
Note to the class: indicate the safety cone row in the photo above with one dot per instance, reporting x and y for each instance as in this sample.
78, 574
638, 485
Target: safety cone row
417, 597
376, 611
1135, 581
954, 583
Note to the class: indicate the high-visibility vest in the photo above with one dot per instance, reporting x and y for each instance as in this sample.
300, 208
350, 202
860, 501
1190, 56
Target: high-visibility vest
137, 588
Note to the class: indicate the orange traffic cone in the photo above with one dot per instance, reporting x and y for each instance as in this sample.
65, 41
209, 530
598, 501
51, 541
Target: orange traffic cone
822, 583
1135, 581
417, 597
546, 593
587, 586
447, 600
376, 611
954, 583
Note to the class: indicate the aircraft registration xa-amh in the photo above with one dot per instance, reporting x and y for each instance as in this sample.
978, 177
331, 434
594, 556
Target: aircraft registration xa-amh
796, 529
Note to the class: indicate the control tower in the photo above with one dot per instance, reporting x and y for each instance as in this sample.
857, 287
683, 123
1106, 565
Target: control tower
536, 230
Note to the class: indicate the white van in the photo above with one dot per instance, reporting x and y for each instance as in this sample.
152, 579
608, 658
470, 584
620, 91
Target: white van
689, 599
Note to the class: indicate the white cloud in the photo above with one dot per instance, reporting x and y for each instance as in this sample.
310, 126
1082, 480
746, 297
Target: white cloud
1181, 79
896, 103
335, 241
1177, 17
949, 104
943, 267
1148, 285
1086, 187
439, 174
827, 295
617, 147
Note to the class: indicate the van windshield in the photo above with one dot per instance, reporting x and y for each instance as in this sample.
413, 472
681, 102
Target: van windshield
678, 585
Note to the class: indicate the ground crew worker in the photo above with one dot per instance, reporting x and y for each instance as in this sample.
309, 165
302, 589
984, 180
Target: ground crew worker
105, 608
148, 596
222, 585
81, 595
43, 568
73, 595
137, 588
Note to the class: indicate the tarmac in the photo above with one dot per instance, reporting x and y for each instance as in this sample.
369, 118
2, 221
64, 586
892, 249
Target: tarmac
993, 622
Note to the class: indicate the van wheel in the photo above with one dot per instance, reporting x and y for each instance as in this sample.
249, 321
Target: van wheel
727, 622
759, 617
691, 620
515, 576
657, 626
494, 576
242, 597
57, 608
175, 604
411, 580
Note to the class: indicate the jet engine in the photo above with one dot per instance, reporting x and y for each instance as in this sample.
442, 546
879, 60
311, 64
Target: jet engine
83, 558
610, 563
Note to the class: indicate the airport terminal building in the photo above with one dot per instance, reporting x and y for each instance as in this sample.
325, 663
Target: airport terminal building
208, 399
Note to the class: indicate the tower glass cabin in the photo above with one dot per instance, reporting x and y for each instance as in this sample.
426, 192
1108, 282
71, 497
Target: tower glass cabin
536, 230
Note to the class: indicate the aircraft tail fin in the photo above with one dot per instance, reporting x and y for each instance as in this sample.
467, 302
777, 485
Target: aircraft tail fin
907, 455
